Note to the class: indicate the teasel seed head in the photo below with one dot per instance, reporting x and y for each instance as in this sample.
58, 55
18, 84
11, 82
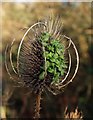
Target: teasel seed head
40, 59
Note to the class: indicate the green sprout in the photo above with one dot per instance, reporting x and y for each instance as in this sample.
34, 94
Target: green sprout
55, 60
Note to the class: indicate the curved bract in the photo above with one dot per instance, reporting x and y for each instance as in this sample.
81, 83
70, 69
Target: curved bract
41, 59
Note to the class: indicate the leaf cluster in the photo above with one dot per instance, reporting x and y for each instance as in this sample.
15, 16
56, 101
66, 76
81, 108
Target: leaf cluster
54, 53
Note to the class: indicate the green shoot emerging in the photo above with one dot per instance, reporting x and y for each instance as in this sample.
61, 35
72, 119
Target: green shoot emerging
54, 54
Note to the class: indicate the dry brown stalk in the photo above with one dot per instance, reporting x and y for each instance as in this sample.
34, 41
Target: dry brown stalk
37, 106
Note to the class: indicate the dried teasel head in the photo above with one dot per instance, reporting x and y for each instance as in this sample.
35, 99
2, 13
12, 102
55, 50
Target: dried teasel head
40, 59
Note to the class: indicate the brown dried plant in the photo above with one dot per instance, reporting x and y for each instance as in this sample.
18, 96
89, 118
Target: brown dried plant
32, 69
73, 115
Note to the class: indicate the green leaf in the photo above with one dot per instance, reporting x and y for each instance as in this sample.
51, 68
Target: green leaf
62, 72
62, 57
58, 51
59, 68
41, 76
53, 65
50, 48
56, 78
45, 37
52, 59
64, 66
55, 55
50, 70
49, 55
58, 62
55, 72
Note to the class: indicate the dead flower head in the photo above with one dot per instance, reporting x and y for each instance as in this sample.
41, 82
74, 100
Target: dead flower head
41, 61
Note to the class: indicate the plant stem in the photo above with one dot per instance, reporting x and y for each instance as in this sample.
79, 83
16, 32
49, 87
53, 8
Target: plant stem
37, 107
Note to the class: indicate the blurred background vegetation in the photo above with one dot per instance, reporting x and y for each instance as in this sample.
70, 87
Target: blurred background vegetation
16, 101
